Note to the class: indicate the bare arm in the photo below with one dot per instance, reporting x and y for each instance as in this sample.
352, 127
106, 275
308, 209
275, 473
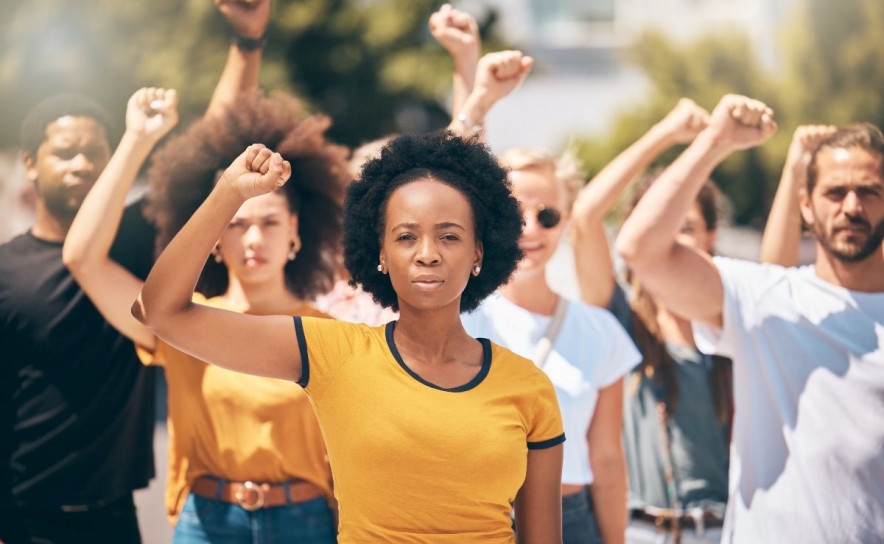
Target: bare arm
782, 234
249, 19
608, 464
681, 278
259, 345
150, 115
458, 33
592, 255
497, 76
539, 502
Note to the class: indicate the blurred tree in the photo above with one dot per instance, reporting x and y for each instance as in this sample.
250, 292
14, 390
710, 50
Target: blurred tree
832, 72
371, 65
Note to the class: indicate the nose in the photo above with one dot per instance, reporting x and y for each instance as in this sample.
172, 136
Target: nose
427, 254
852, 204
253, 236
81, 164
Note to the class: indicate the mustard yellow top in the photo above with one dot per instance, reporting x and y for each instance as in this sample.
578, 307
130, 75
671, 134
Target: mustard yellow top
235, 426
415, 463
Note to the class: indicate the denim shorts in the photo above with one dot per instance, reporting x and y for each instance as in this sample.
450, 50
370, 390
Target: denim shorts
208, 521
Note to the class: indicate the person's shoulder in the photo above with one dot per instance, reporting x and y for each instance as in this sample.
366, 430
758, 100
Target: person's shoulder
757, 278
16, 245
512, 364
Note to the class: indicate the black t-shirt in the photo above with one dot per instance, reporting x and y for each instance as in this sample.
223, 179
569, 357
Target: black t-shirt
81, 404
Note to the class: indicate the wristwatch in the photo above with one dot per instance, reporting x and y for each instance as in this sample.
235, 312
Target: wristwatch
248, 44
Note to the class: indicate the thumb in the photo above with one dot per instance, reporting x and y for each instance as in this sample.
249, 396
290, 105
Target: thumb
279, 172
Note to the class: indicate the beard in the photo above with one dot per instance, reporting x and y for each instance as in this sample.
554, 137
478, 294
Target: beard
61, 202
850, 252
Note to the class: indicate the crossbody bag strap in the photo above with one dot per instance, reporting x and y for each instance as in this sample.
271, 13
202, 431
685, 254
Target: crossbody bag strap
545, 344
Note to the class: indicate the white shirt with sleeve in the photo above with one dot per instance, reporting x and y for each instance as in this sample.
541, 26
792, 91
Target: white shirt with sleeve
591, 352
807, 454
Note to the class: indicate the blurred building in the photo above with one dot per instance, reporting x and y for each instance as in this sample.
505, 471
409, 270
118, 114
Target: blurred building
581, 79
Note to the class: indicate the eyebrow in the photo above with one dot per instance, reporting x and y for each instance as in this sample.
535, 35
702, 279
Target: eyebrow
439, 226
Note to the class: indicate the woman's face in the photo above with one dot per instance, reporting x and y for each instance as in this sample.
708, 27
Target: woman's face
429, 245
257, 241
694, 233
542, 197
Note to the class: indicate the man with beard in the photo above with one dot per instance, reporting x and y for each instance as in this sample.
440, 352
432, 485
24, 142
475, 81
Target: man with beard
807, 343
76, 405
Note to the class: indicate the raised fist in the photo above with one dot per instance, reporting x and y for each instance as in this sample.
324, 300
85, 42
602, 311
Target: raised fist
501, 72
256, 171
151, 113
804, 141
457, 31
739, 122
684, 122
248, 18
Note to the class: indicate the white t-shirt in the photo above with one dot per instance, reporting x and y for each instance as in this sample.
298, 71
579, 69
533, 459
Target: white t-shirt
591, 352
807, 457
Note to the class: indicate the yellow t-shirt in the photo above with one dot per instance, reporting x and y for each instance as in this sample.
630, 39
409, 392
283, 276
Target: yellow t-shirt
414, 462
235, 426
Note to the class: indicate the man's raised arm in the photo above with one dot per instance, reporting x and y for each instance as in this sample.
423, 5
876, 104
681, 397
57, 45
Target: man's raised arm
684, 280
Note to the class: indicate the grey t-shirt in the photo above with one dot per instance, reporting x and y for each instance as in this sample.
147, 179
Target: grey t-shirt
698, 441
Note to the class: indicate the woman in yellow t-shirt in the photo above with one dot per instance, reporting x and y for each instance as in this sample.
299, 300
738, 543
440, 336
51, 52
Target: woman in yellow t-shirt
246, 454
431, 434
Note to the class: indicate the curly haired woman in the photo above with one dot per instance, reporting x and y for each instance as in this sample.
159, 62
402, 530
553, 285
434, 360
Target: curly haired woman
431, 434
246, 455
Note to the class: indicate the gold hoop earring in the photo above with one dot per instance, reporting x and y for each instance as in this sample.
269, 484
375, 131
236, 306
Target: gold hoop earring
295, 248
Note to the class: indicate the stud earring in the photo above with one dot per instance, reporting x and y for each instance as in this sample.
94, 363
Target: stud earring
216, 253
476, 270
380, 268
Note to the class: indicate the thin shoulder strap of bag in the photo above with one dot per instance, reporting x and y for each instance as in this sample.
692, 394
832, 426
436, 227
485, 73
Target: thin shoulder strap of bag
545, 344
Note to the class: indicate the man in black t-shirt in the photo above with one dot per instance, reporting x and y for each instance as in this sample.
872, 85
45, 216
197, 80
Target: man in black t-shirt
76, 406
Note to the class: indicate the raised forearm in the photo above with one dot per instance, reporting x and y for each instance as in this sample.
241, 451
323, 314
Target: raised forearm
95, 226
171, 283
601, 193
464, 80
240, 75
782, 234
648, 235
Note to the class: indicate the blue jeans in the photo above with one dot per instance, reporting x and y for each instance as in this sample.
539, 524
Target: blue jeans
207, 521
578, 520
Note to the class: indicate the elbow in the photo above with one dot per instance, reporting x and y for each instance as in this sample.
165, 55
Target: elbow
608, 466
72, 259
139, 312
628, 249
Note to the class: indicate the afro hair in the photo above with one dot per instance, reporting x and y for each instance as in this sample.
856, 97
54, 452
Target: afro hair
186, 169
464, 164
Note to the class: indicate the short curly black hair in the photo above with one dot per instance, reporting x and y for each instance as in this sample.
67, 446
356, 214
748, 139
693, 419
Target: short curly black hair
186, 169
33, 128
466, 165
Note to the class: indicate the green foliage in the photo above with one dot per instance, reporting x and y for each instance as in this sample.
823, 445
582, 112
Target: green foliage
832, 73
372, 66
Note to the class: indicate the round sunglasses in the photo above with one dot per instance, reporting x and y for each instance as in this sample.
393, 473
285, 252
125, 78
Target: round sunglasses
547, 216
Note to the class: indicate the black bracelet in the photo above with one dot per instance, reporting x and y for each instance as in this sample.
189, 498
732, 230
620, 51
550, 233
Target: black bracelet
248, 44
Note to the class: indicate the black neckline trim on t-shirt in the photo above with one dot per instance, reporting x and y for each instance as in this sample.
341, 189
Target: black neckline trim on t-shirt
486, 363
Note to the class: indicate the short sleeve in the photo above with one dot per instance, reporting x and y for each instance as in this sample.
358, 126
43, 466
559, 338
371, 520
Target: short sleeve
325, 346
622, 354
742, 282
546, 428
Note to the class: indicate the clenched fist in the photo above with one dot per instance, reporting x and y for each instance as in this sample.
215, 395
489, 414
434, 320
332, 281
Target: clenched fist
256, 171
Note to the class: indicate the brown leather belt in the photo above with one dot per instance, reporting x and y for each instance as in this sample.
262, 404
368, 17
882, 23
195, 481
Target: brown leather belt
253, 496
665, 521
